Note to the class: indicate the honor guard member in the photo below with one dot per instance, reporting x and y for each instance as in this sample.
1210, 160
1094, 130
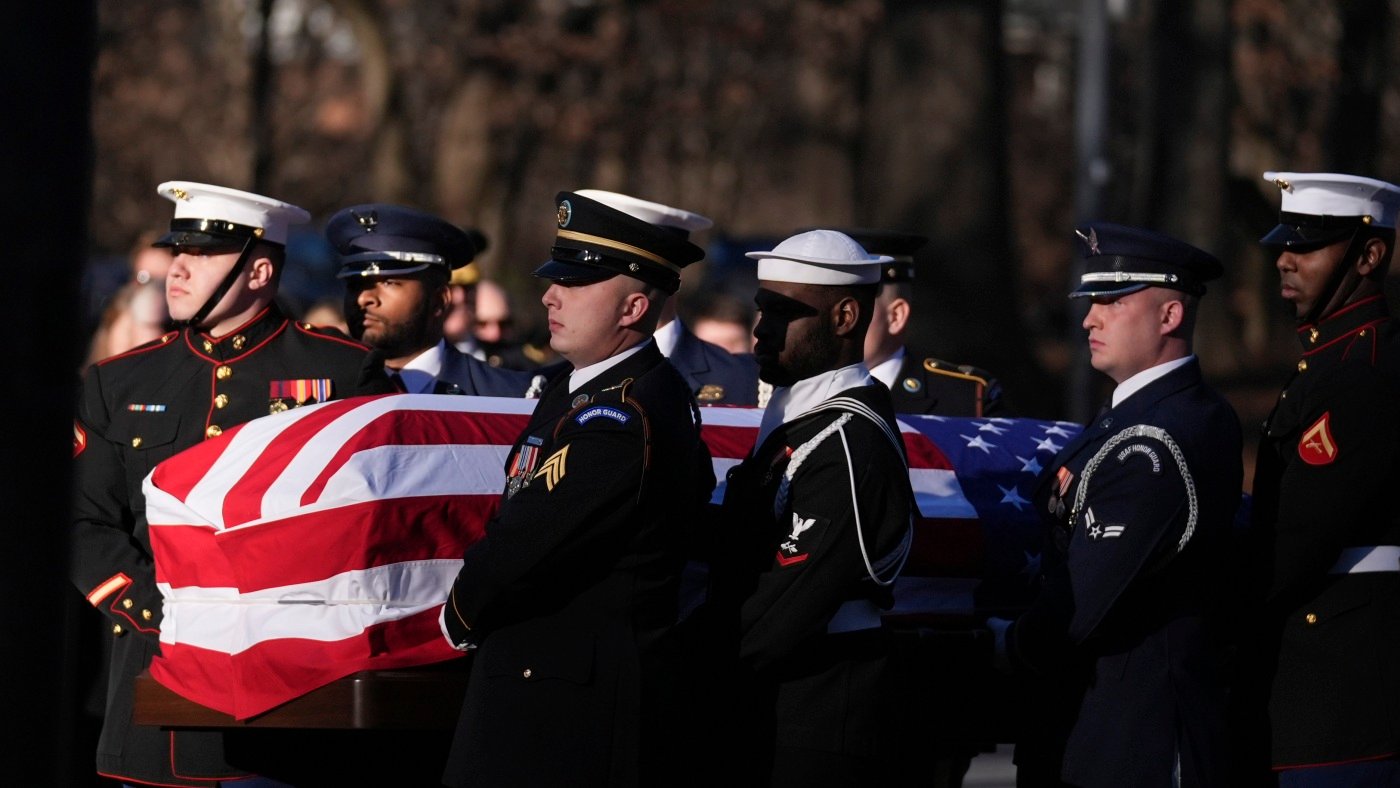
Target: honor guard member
397, 264
1122, 639
237, 357
917, 383
1324, 516
716, 376
569, 597
818, 522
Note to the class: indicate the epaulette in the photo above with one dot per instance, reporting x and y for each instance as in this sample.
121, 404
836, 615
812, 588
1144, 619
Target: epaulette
155, 344
964, 371
329, 334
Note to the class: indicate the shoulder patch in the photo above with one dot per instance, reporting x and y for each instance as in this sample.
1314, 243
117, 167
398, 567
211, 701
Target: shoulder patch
602, 411
1317, 446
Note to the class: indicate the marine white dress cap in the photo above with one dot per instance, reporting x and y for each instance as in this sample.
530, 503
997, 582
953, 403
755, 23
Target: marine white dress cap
1336, 194
648, 211
219, 203
820, 257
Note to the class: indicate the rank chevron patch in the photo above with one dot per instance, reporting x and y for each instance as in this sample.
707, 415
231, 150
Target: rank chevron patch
553, 468
1317, 447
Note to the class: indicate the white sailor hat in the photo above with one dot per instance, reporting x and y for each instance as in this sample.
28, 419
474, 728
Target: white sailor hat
1321, 208
207, 215
820, 257
686, 222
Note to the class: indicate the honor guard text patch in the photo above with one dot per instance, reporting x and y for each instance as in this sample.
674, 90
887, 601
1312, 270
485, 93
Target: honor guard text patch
604, 411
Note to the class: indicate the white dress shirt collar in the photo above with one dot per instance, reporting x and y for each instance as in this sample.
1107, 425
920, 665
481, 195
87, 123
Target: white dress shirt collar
886, 371
1137, 382
790, 402
667, 336
584, 374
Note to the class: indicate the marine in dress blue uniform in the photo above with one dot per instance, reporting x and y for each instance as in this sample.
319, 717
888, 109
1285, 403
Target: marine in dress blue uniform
1325, 525
918, 383
236, 358
1124, 636
716, 376
397, 264
814, 529
569, 598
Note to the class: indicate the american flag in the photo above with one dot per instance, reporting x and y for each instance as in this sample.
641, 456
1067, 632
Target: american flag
305, 546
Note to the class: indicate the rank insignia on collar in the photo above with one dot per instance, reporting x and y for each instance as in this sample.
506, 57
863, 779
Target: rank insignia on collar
579, 401
1317, 446
710, 392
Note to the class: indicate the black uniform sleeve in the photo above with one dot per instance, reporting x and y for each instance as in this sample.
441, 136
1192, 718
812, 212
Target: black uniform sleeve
822, 566
1356, 415
559, 532
107, 563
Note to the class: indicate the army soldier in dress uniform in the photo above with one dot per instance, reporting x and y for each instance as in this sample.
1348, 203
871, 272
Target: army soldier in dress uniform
396, 263
716, 376
1325, 519
817, 522
917, 383
1124, 635
570, 596
236, 358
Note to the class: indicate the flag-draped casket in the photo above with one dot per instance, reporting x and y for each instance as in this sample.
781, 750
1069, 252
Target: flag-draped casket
308, 545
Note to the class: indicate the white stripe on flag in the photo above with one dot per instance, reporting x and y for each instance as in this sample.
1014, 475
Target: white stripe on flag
405, 471
339, 607
939, 494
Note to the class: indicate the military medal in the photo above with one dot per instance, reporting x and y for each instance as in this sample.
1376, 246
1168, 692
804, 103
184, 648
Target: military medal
522, 466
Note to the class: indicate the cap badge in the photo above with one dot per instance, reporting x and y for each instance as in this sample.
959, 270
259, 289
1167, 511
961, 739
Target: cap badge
179, 194
1092, 239
368, 222
912, 385
1283, 185
565, 213
633, 267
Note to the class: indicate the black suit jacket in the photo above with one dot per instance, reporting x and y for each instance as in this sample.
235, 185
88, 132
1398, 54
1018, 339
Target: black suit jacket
137, 409
571, 593
464, 374
930, 386
1328, 461
715, 376
1125, 632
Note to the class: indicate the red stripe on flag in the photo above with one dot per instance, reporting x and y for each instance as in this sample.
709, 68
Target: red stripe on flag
244, 500
178, 478
923, 453
189, 555
728, 442
273, 672
422, 428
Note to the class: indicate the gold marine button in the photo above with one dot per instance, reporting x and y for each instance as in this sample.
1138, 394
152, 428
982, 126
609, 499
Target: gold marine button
239, 341
1361, 333
213, 431
128, 604
146, 614
221, 401
1312, 335
117, 630
1303, 365
136, 442
208, 346
527, 673
223, 372
1311, 618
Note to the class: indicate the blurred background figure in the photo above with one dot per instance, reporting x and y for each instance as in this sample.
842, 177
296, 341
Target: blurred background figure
461, 312
136, 313
327, 313
724, 320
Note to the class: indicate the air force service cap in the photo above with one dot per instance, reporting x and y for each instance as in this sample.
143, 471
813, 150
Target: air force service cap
1321, 208
1119, 260
596, 241
820, 257
216, 216
377, 239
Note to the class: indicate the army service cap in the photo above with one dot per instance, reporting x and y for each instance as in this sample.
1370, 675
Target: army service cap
1119, 260
378, 239
217, 216
1321, 208
820, 257
595, 241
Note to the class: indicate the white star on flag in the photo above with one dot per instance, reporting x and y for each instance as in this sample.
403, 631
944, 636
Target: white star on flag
1048, 445
1031, 465
976, 442
1056, 429
1012, 496
992, 428
1032, 564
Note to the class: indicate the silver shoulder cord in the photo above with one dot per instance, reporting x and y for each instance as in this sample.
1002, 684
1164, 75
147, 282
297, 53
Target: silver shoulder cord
1160, 435
850, 407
